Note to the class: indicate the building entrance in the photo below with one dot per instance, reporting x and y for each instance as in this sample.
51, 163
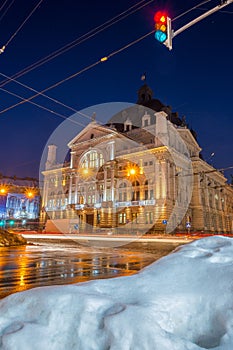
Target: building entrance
90, 219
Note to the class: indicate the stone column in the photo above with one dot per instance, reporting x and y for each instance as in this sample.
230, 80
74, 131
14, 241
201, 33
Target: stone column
76, 190
105, 184
112, 182
72, 154
70, 189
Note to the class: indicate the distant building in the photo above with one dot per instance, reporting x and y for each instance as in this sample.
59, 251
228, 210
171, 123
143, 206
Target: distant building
123, 175
19, 201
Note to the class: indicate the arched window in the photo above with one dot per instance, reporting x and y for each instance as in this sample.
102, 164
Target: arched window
92, 159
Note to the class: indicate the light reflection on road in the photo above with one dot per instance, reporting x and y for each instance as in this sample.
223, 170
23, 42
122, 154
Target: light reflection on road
23, 268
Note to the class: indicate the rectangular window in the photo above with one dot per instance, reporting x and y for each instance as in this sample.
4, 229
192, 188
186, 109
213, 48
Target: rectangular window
135, 218
149, 218
122, 218
151, 194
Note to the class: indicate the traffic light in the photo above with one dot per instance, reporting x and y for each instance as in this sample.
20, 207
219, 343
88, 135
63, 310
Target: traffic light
163, 31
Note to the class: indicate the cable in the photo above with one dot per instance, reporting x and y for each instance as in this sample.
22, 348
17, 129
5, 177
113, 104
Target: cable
77, 73
54, 100
51, 87
46, 96
222, 11
7, 9
193, 8
79, 40
26, 19
3, 5
130, 44
40, 106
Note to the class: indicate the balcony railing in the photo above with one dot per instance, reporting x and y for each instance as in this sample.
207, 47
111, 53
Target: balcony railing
135, 203
108, 204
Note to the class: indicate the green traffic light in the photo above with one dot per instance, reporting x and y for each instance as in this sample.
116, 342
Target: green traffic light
11, 222
160, 36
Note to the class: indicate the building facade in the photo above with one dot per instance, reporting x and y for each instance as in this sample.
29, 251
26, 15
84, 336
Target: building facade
140, 173
19, 202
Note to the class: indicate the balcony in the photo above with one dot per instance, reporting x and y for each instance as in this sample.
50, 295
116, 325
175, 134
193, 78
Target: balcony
135, 203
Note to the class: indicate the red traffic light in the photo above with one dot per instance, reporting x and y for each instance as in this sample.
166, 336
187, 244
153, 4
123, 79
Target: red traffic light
160, 17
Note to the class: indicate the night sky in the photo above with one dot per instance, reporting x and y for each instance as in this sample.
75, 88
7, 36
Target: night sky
195, 78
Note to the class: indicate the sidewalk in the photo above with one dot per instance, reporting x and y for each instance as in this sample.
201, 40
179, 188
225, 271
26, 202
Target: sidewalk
106, 238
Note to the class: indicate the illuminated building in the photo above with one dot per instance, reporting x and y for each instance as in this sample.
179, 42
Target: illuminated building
19, 201
131, 175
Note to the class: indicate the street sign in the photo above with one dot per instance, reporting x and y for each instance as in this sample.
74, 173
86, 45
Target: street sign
188, 225
164, 222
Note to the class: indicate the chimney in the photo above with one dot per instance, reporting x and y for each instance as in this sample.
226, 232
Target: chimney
51, 159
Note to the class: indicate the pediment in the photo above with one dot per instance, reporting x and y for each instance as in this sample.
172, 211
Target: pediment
189, 139
91, 131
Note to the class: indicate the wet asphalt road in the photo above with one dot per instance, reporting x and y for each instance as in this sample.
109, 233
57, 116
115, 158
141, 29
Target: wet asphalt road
46, 264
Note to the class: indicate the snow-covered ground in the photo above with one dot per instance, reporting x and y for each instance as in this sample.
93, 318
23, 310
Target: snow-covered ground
183, 301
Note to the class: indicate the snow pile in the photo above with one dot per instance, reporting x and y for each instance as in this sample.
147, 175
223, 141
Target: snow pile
184, 301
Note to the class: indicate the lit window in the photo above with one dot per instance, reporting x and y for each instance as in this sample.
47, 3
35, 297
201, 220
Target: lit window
101, 159
92, 159
151, 194
149, 218
122, 218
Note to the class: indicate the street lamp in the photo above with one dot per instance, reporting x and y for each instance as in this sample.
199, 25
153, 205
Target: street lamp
30, 194
3, 190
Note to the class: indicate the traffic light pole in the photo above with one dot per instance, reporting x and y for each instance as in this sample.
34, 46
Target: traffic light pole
198, 19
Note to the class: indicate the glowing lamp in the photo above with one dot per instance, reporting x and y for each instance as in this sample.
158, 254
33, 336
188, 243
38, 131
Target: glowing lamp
2, 190
132, 171
30, 194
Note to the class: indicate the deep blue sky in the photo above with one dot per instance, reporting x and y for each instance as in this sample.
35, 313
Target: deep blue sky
195, 78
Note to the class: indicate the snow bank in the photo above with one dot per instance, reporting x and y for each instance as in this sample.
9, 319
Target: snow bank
184, 301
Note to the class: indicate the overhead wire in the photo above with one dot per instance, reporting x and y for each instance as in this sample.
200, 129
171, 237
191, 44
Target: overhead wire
24, 100
40, 106
46, 96
222, 11
6, 10
105, 58
3, 5
50, 87
23, 23
193, 8
81, 39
